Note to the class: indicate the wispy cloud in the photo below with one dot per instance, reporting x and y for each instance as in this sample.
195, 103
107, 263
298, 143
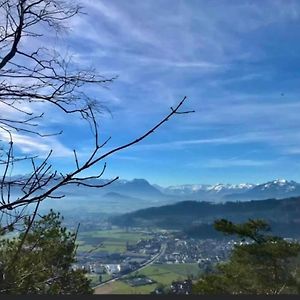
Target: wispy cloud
35, 145
229, 163
239, 71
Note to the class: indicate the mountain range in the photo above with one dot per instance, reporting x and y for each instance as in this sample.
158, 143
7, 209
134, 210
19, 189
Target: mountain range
129, 195
279, 188
143, 190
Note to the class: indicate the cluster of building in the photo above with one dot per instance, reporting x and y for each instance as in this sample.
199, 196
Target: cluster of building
113, 269
182, 287
177, 251
196, 251
116, 264
163, 249
148, 247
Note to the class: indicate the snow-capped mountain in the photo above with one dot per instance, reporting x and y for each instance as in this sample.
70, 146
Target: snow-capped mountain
186, 189
128, 195
279, 184
142, 189
224, 188
216, 190
279, 188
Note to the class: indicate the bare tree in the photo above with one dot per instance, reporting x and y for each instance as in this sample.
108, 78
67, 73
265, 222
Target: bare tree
43, 76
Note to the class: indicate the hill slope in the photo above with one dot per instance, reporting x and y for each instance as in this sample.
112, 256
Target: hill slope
188, 214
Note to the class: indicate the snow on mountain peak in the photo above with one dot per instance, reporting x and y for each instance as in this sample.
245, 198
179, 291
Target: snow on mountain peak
205, 191
280, 181
280, 184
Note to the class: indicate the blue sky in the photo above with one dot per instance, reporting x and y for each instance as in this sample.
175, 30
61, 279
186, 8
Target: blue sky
238, 62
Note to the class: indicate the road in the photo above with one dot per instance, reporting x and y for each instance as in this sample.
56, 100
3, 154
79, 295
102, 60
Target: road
144, 265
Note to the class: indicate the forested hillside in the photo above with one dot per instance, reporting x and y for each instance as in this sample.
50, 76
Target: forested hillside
195, 218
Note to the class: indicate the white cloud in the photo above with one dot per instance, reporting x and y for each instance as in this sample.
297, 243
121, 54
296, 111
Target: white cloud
35, 145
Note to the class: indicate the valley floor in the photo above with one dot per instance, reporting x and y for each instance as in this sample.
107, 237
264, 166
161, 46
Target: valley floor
160, 273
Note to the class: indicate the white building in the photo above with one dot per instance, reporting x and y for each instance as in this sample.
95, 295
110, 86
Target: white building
113, 268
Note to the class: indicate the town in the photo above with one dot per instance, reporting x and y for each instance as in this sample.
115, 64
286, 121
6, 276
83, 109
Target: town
161, 248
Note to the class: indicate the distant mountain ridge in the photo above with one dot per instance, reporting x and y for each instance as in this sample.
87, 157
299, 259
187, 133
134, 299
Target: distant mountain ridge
195, 217
139, 193
278, 188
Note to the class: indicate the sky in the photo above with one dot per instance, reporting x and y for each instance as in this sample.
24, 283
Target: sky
238, 63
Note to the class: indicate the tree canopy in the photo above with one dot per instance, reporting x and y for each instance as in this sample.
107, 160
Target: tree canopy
260, 264
45, 263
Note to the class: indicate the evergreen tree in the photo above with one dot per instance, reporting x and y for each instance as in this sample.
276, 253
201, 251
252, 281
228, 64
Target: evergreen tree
44, 266
262, 264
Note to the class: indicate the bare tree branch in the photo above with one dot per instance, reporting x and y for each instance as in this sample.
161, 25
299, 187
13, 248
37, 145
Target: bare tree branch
45, 77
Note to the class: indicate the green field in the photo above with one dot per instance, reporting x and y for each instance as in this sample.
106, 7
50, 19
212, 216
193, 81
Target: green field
120, 287
166, 273
113, 241
95, 278
163, 274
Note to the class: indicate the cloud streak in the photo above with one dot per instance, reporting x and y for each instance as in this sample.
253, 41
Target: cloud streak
232, 163
35, 145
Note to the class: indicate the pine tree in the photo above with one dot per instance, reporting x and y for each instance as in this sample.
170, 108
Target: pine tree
44, 266
265, 265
